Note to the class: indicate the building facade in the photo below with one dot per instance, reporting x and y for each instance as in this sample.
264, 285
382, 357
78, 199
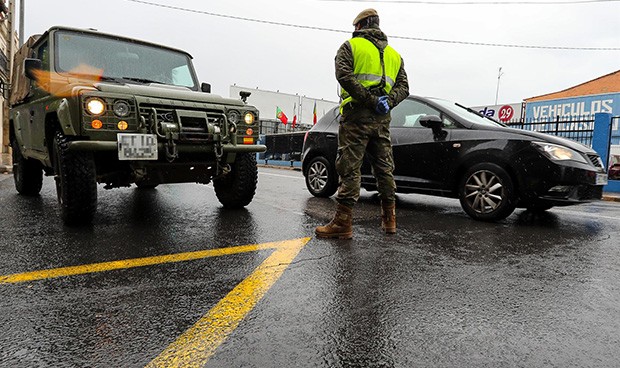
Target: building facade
579, 103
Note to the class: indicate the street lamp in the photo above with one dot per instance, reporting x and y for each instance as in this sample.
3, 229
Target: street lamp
499, 75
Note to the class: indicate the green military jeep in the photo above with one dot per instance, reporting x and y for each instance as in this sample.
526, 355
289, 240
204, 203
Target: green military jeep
89, 108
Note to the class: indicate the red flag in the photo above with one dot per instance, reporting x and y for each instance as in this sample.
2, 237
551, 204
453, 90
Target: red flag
281, 115
294, 116
314, 114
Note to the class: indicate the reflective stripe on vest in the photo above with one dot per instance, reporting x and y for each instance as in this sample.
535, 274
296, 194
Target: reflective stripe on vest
367, 66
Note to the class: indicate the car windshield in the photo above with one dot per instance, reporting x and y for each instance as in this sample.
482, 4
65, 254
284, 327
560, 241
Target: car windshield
464, 112
111, 58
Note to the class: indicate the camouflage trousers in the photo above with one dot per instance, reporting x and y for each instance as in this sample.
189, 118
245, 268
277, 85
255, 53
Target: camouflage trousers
355, 140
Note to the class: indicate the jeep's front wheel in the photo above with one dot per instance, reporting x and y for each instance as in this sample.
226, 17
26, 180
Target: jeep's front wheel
237, 188
76, 182
27, 173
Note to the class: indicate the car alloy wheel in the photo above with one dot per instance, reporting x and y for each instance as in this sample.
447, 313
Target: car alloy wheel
484, 191
317, 176
487, 193
321, 180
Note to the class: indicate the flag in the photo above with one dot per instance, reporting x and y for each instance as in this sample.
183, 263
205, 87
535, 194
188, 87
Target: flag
281, 115
314, 114
294, 116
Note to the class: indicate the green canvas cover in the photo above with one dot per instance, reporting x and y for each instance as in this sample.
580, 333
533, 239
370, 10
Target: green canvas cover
20, 84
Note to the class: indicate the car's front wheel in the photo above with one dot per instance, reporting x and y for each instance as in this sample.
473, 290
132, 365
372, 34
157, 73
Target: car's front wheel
27, 173
321, 178
237, 188
487, 192
76, 182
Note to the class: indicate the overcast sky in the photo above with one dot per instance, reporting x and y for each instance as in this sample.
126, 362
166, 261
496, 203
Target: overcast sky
297, 60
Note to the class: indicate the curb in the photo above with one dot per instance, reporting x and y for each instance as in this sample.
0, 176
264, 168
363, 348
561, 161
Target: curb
6, 169
611, 198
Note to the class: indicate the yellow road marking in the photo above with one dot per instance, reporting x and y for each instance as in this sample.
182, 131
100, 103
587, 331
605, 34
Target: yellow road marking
196, 345
131, 263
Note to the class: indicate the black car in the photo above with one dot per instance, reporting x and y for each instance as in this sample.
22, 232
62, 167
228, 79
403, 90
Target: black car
443, 148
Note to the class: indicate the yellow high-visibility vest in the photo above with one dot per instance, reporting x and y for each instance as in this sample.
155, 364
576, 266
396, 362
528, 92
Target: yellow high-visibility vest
367, 67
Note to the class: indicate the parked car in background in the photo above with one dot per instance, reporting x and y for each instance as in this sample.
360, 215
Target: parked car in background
445, 149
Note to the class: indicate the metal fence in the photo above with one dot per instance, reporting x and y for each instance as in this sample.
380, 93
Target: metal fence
579, 129
268, 126
283, 146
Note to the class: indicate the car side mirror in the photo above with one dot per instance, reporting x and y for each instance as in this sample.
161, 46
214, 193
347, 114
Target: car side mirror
435, 123
30, 65
205, 87
431, 121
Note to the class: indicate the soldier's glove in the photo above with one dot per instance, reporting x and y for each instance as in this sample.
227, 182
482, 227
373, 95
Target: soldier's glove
382, 105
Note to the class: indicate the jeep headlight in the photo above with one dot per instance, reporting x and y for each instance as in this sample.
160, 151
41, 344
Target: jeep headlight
233, 116
559, 153
121, 108
249, 118
95, 106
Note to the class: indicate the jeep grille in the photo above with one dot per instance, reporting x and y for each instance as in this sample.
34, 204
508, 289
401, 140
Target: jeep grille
192, 129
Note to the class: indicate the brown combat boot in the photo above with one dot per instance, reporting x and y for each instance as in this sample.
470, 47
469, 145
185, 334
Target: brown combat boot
388, 218
341, 227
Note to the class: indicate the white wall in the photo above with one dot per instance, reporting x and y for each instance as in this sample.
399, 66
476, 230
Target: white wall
268, 101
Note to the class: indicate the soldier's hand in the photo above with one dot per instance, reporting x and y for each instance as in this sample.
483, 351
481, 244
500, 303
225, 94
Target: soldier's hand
382, 105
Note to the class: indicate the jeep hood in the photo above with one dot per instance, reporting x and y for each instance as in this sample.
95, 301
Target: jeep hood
166, 92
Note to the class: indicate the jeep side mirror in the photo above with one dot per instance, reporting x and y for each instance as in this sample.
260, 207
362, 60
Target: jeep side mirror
205, 87
30, 65
244, 96
431, 121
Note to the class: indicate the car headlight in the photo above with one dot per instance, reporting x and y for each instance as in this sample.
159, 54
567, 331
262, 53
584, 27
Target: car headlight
249, 118
559, 153
233, 116
121, 108
95, 106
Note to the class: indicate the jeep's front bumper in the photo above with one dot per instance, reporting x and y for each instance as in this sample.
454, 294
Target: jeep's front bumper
109, 146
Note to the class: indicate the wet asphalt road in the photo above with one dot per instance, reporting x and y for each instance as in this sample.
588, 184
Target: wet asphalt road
445, 291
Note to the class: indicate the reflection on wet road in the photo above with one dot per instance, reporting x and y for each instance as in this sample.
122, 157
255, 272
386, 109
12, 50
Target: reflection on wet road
533, 290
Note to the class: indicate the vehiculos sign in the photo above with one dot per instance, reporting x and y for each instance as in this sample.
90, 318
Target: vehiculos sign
572, 108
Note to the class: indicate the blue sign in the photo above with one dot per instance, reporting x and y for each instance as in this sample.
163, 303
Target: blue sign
575, 109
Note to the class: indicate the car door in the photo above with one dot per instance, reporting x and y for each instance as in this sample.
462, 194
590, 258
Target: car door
422, 158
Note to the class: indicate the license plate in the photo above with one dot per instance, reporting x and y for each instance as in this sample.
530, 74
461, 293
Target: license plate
601, 179
133, 146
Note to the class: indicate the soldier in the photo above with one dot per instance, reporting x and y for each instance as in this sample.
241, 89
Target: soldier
373, 81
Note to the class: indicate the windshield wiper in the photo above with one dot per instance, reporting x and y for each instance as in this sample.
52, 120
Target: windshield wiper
110, 79
479, 114
141, 80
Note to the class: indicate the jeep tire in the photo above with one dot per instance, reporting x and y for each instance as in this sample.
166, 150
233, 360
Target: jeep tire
76, 182
237, 188
27, 173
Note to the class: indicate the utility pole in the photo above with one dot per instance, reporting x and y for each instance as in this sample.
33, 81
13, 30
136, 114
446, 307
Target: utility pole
10, 51
22, 12
499, 75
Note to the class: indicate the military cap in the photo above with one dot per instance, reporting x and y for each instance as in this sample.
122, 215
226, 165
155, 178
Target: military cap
365, 14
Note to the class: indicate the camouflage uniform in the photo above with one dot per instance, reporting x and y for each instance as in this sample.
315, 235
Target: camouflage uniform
362, 130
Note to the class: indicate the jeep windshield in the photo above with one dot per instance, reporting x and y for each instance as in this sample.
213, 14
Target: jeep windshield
121, 60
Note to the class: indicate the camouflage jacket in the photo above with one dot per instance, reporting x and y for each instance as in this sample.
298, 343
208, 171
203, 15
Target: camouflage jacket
364, 108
